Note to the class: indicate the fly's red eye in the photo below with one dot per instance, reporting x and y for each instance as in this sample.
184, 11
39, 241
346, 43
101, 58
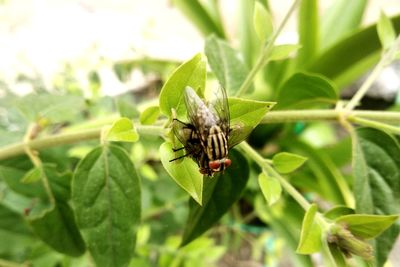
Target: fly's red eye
214, 164
228, 162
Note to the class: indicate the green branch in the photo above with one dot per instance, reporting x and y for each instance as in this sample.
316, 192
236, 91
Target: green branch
66, 138
265, 53
263, 163
386, 59
379, 118
328, 115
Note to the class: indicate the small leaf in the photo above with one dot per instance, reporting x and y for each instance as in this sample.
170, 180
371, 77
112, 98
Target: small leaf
320, 174
219, 194
306, 90
245, 115
280, 52
191, 73
226, 64
338, 211
106, 198
310, 238
122, 130
367, 226
32, 176
149, 115
270, 187
386, 32
185, 172
249, 112
262, 21
287, 162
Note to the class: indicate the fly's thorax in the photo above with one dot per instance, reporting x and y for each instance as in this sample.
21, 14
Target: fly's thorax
217, 144
205, 120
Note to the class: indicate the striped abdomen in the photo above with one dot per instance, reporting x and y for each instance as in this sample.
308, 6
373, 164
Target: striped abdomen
217, 149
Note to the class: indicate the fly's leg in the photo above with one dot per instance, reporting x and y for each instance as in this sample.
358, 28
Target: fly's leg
177, 149
179, 157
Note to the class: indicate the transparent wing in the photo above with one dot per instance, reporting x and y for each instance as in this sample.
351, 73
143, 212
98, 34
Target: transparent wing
182, 131
237, 134
193, 105
219, 106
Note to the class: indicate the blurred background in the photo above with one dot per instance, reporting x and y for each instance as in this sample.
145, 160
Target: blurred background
44, 40
128, 48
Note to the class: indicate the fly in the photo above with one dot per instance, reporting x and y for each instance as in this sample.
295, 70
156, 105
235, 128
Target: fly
207, 136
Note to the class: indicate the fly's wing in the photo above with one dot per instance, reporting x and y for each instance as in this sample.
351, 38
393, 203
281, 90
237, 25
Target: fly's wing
219, 106
182, 131
237, 134
197, 110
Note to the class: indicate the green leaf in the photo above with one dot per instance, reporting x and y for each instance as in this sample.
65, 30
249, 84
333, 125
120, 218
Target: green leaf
284, 218
56, 226
53, 222
338, 211
287, 162
149, 115
249, 42
340, 19
59, 183
12, 221
32, 176
376, 169
245, 115
280, 52
310, 238
386, 32
198, 15
337, 254
122, 130
367, 226
306, 90
347, 60
106, 198
185, 172
226, 64
308, 31
126, 107
320, 174
191, 73
270, 187
56, 108
219, 194
262, 22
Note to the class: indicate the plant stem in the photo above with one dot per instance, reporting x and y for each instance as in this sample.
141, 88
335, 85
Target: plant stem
288, 187
66, 138
375, 124
69, 137
326, 115
267, 167
265, 53
32, 132
386, 59
5, 263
